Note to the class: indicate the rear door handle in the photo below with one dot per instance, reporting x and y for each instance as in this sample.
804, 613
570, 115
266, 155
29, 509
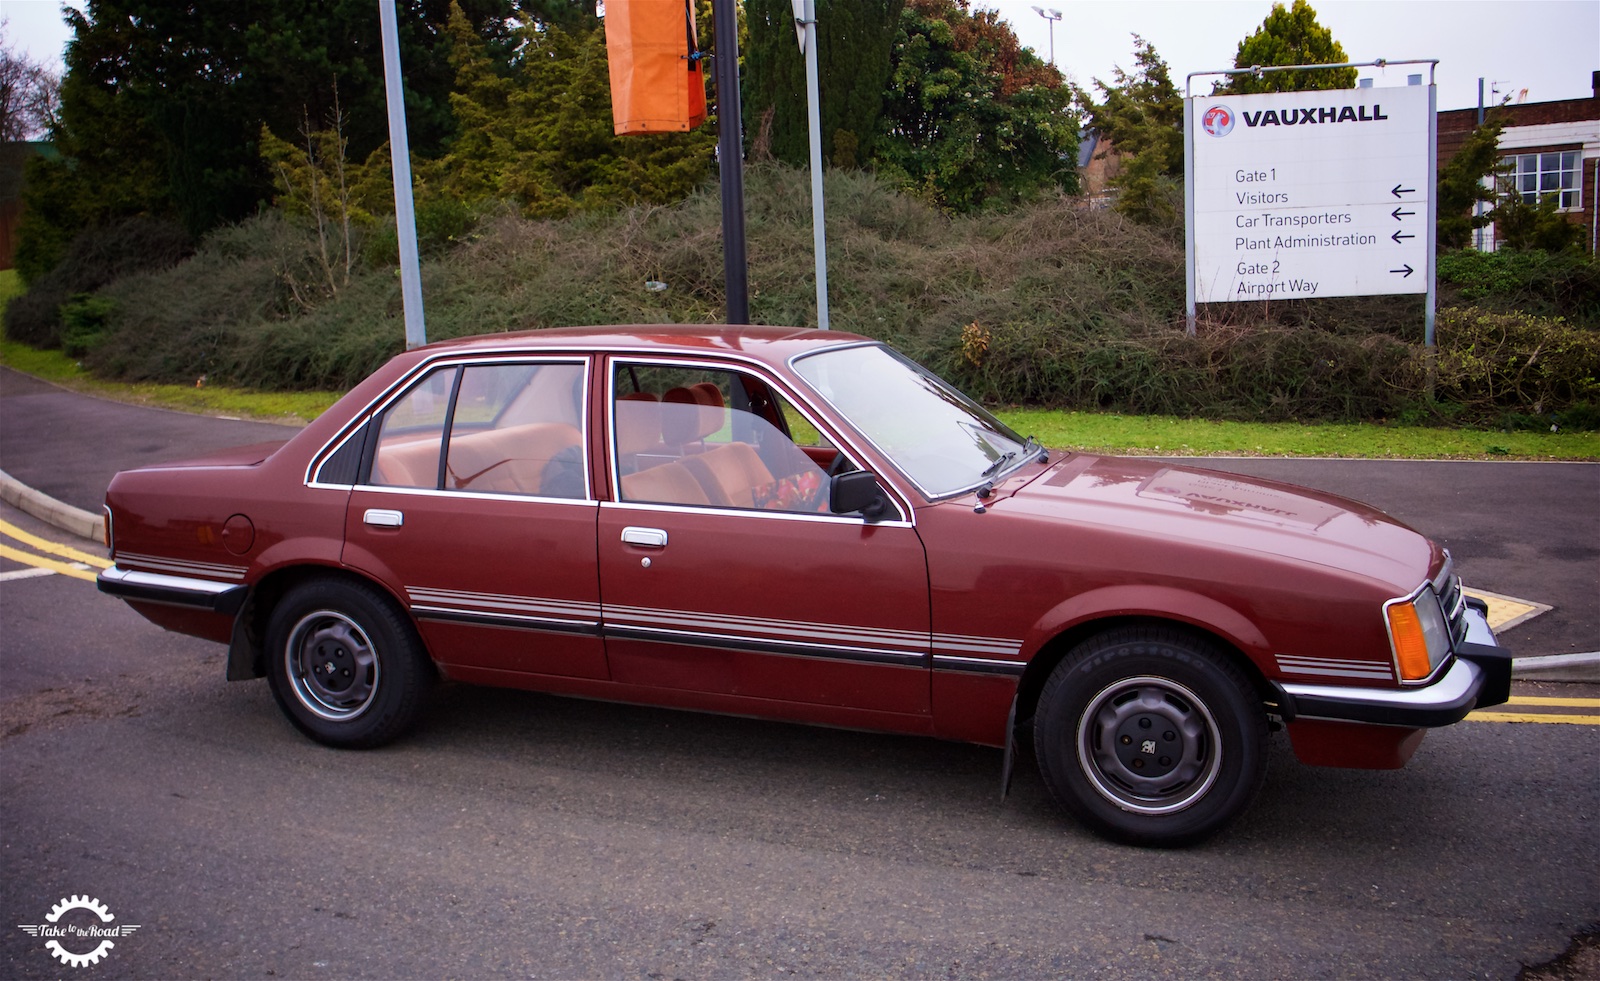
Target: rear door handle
644, 537
383, 518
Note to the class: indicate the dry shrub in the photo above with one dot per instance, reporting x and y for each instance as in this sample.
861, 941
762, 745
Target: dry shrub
1051, 304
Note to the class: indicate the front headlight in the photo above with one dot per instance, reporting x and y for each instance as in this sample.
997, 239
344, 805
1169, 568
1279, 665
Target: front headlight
1419, 634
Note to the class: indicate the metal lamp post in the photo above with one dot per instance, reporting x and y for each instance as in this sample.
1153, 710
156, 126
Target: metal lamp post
1052, 15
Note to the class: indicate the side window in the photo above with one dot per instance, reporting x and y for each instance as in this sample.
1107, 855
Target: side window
512, 428
517, 431
699, 436
412, 432
806, 436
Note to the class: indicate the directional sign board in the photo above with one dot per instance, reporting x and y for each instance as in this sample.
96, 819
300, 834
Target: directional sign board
1302, 194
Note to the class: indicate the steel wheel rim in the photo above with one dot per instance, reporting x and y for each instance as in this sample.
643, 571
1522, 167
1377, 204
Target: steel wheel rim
332, 666
1149, 745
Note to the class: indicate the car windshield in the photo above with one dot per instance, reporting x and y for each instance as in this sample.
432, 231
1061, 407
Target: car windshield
942, 440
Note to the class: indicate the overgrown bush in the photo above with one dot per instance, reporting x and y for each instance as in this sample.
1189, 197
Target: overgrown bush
1546, 284
83, 320
1492, 363
95, 258
1270, 373
1052, 304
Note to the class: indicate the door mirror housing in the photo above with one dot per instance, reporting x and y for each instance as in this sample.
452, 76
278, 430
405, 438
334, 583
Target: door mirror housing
857, 492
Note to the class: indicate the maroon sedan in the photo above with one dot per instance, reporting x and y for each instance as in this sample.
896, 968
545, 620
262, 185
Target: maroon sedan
803, 525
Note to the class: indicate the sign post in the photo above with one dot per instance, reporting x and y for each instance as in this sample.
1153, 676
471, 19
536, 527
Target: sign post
1306, 194
805, 25
405, 218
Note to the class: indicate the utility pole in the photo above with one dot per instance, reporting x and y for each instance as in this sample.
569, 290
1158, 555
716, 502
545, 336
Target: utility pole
730, 160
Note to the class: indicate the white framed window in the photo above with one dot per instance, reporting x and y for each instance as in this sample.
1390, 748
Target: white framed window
1536, 176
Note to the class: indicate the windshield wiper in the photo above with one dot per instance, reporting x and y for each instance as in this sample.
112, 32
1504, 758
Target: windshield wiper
996, 466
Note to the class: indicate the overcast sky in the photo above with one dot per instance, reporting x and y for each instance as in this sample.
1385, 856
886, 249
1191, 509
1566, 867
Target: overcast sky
1548, 47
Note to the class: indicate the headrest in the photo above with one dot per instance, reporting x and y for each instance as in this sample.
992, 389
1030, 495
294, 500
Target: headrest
687, 418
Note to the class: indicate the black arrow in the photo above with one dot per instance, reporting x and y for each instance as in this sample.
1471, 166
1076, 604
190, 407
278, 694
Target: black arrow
1397, 236
1406, 270
1398, 214
1397, 190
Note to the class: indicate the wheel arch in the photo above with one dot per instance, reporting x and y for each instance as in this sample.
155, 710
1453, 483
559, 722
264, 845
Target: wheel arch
247, 655
1057, 647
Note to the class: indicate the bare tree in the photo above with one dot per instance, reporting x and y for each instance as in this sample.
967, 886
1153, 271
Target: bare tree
30, 93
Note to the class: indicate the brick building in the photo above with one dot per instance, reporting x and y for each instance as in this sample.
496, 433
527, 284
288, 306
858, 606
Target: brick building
1554, 148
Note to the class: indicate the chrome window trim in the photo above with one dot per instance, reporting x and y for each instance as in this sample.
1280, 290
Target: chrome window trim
472, 495
837, 519
403, 385
790, 391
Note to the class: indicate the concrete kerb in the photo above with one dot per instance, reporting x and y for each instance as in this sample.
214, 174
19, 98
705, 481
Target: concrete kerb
75, 521
1558, 667
69, 519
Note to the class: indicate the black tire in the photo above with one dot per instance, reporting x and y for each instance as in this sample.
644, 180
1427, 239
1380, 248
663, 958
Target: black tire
345, 664
1151, 736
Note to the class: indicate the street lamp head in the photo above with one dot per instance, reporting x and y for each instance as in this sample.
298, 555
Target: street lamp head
1051, 14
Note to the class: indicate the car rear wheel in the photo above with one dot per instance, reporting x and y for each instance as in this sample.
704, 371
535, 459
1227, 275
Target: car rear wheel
1150, 735
345, 664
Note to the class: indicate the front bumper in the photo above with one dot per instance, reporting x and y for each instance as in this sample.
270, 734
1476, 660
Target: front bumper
184, 591
1479, 676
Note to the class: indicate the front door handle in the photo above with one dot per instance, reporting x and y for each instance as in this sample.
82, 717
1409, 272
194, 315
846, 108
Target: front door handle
383, 518
644, 537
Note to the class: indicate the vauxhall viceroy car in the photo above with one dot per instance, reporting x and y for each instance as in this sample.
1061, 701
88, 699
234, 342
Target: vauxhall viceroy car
803, 525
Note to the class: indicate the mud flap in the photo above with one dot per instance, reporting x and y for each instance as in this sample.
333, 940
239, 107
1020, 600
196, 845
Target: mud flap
1009, 759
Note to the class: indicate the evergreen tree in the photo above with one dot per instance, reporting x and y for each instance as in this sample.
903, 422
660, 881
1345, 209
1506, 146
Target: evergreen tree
164, 101
855, 39
1141, 120
539, 133
1465, 182
1290, 36
971, 118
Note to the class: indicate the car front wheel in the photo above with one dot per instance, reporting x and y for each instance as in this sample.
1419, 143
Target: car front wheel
1151, 736
345, 664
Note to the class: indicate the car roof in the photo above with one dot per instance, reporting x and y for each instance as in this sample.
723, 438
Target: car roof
769, 344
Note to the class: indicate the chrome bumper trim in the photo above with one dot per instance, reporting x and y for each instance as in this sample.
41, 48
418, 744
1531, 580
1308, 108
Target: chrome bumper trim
155, 587
1479, 676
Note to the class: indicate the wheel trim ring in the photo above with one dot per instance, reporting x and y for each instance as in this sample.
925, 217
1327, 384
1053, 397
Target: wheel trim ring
302, 643
1122, 795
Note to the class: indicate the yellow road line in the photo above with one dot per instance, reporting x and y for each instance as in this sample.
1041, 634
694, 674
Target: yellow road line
40, 562
1571, 720
45, 545
1593, 703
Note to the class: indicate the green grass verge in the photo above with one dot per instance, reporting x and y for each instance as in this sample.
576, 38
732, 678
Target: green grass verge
53, 366
1168, 436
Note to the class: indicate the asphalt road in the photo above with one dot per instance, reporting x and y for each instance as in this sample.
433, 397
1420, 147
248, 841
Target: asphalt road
519, 834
